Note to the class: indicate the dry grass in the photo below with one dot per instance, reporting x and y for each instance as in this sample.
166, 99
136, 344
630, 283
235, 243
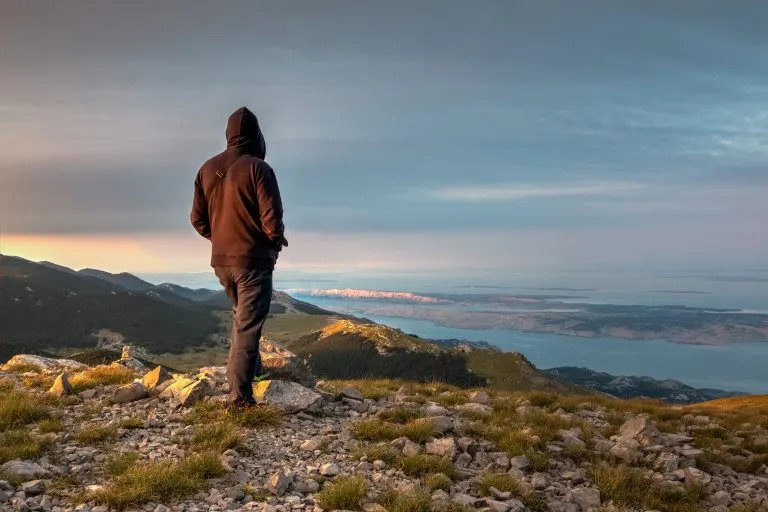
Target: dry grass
158, 482
628, 487
378, 452
132, 423
20, 444
438, 481
101, 376
49, 426
22, 368
399, 415
19, 408
423, 465
216, 437
345, 493
121, 463
395, 501
206, 412
418, 430
96, 434
369, 388
504, 482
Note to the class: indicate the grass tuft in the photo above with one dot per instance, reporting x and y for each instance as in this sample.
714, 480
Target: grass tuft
19, 408
437, 481
158, 482
502, 481
423, 465
399, 415
395, 501
20, 444
96, 434
121, 463
101, 376
50, 426
379, 452
216, 438
253, 417
345, 493
132, 423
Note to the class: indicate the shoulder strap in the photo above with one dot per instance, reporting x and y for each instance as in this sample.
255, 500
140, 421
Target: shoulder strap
219, 176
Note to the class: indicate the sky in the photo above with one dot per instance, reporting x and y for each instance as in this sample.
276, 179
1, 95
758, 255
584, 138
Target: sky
430, 136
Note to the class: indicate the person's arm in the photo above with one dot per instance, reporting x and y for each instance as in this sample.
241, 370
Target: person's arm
270, 205
199, 214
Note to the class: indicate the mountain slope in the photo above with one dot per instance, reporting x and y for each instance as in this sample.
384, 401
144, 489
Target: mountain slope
42, 307
623, 386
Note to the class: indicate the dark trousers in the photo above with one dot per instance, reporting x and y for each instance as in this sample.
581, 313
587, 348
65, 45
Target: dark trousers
250, 291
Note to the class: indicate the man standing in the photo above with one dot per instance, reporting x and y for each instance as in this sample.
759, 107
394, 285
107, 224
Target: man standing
237, 207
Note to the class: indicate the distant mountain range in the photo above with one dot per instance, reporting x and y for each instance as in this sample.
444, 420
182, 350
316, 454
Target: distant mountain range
623, 386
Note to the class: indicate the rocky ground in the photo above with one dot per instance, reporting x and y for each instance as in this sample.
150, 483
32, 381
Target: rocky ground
124, 437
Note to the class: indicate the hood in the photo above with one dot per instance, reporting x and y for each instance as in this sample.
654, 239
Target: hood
244, 133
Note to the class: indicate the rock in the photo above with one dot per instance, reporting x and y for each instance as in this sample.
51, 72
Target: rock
539, 481
310, 445
373, 507
574, 443
33, 487
586, 498
627, 450
431, 410
467, 445
89, 393
289, 396
284, 365
442, 424
307, 486
557, 506
129, 393
603, 446
520, 462
23, 470
516, 505
279, 482
153, 378
720, 498
444, 447
466, 500
351, 394
500, 460
61, 386
667, 462
642, 430
187, 391
473, 408
329, 470
696, 476
499, 495
44, 364
498, 506
410, 448
480, 397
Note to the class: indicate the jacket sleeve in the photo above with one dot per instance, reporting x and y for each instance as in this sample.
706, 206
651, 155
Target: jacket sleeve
270, 203
199, 214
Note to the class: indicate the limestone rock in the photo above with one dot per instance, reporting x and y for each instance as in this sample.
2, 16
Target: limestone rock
129, 393
33, 487
442, 424
279, 482
480, 397
431, 410
444, 447
282, 364
329, 470
61, 386
187, 391
498, 506
667, 462
696, 476
627, 450
289, 396
410, 448
43, 364
24, 470
155, 377
586, 498
642, 430
351, 394
473, 408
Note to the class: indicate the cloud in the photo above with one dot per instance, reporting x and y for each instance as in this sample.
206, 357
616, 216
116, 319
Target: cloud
515, 191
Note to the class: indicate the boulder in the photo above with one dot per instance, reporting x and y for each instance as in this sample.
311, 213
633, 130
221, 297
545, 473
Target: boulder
23, 470
153, 378
667, 462
473, 408
43, 364
480, 397
586, 498
642, 429
444, 447
279, 483
442, 424
431, 410
188, 391
33, 487
282, 364
61, 386
289, 396
129, 393
696, 476
627, 450
350, 394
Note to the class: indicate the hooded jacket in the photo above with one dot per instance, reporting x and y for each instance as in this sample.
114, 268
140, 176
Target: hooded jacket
242, 212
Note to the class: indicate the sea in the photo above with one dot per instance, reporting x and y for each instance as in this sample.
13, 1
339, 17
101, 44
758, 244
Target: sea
736, 367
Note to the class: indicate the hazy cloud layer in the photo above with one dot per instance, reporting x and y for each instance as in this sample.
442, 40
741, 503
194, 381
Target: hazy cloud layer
427, 118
